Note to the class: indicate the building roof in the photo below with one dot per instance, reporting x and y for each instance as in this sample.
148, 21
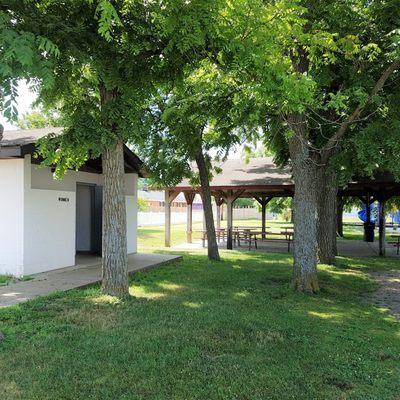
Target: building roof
17, 143
262, 177
22, 137
259, 171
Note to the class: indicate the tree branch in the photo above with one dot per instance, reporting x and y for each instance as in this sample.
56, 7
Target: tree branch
355, 116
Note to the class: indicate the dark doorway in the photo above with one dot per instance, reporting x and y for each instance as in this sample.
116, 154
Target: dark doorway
89, 199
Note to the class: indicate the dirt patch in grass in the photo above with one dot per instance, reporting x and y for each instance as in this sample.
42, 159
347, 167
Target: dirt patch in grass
388, 293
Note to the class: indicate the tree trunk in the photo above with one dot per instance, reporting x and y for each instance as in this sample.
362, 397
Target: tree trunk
213, 253
114, 257
305, 210
327, 215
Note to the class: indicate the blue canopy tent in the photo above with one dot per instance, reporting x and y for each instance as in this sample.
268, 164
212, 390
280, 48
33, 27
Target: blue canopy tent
374, 213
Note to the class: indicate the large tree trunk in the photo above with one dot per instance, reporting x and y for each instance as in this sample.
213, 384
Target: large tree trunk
115, 260
213, 253
114, 253
327, 215
305, 211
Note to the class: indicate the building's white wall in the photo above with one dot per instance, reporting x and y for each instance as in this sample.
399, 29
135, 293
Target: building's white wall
37, 225
42, 178
49, 230
49, 226
12, 217
131, 185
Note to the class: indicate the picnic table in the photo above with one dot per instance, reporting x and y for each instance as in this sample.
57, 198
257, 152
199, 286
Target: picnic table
219, 232
288, 228
247, 228
252, 236
396, 242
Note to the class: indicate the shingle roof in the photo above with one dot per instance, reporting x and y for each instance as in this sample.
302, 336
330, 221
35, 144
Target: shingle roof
22, 137
15, 141
259, 171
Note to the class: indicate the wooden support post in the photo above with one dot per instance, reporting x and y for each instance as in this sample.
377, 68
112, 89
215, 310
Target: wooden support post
218, 217
368, 209
367, 223
219, 201
263, 200
167, 209
189, 227
230, 198
263, 218
382, 228
170, 195
229, 219
189, 222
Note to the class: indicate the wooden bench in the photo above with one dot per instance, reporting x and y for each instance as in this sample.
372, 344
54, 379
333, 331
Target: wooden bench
244, 236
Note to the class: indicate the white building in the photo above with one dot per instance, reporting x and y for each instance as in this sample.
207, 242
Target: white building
44, 223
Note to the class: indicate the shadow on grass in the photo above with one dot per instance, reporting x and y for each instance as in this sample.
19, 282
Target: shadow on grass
197, 329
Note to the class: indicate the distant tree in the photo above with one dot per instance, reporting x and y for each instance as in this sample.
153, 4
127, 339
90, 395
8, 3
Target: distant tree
142, 204
191, 123
39, 119
241, 202
279, 205
143, 183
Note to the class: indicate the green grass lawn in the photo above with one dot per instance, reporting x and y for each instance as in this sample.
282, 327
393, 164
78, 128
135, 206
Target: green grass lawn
152, 237
201, 330
7, 279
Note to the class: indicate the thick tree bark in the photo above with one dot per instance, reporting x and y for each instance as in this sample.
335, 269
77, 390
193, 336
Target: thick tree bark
327, 215
213, 253
305, 210
304, 167
114, 257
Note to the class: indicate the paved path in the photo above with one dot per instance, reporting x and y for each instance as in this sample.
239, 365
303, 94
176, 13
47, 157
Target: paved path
86, 272
388, 293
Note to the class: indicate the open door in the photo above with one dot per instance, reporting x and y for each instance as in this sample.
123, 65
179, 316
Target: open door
89, 199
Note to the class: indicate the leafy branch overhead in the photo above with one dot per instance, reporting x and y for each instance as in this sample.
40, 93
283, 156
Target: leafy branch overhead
23, 55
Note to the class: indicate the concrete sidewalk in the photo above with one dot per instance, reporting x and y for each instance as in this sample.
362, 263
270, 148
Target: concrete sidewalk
86, 272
